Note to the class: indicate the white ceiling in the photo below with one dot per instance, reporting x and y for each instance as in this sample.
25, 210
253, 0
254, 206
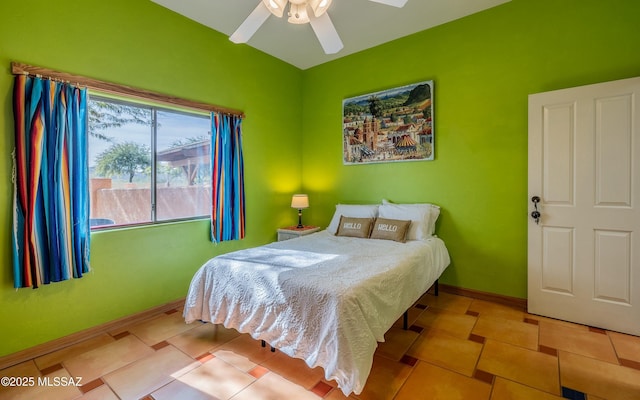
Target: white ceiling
361, 24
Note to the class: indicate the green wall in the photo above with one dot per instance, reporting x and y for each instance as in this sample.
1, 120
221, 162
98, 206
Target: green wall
141, 44
483, 67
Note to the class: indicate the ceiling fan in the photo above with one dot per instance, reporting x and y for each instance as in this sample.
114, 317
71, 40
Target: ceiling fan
298, 14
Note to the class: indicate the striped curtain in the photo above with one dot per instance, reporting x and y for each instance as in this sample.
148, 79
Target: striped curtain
227, 178
51, 195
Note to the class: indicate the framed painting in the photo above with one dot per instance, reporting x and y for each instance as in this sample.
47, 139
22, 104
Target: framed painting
388, 126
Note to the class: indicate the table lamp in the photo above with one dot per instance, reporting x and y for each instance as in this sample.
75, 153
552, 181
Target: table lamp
300, 201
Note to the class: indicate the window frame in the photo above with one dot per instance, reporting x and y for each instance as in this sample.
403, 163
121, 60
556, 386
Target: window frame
153, 107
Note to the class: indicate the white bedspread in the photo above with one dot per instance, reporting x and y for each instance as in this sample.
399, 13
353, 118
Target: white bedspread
322, 298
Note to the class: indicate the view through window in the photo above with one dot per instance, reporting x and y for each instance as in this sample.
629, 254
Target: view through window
147, 164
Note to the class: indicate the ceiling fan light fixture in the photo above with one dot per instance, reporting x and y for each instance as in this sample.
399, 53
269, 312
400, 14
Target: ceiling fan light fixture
320, 22
276, 6
298, 13
319, 7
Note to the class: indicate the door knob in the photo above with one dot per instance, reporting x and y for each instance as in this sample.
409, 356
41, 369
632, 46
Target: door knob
535, 214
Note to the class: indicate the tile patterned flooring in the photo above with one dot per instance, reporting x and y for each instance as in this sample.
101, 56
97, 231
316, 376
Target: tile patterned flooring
456, 348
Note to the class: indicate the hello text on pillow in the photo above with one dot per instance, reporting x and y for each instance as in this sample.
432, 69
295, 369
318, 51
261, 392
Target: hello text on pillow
390, 229
354, 227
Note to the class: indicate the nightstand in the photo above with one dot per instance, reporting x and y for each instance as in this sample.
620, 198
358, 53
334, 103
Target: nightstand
291, 232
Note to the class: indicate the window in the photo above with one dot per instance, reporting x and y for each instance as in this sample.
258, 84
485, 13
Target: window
147, 164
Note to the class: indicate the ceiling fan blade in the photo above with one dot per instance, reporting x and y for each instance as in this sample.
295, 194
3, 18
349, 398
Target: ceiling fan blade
251, 24
395, 3
326, 33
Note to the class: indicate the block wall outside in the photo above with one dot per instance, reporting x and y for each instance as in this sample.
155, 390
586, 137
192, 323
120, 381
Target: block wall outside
133, 205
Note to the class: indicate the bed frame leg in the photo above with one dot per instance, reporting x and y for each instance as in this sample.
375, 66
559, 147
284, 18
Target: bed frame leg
264, 344
405, 316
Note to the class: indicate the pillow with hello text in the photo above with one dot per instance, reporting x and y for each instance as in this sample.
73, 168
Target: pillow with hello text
390, 229
354, 227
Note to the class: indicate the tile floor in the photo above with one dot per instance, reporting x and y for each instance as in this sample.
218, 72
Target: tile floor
456, 348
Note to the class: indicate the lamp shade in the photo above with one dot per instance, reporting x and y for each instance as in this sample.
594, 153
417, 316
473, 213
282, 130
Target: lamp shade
300, 201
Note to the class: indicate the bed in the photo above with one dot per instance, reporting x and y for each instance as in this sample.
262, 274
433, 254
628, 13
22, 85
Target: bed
325, 298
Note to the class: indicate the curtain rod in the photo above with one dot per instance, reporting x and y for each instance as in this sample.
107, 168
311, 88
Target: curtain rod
114, 88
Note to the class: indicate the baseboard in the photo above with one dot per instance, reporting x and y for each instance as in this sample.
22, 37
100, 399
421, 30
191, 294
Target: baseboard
476, 294
74, 338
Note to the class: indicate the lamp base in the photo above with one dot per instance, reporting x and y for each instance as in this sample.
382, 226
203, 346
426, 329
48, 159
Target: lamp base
300, 226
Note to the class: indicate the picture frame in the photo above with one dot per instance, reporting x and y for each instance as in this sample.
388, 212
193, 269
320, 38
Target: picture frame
391, 125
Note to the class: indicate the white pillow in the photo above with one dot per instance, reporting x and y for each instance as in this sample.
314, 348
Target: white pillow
423, 217
435, 213
351, 210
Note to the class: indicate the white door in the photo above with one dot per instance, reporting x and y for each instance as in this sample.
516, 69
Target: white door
584, 165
